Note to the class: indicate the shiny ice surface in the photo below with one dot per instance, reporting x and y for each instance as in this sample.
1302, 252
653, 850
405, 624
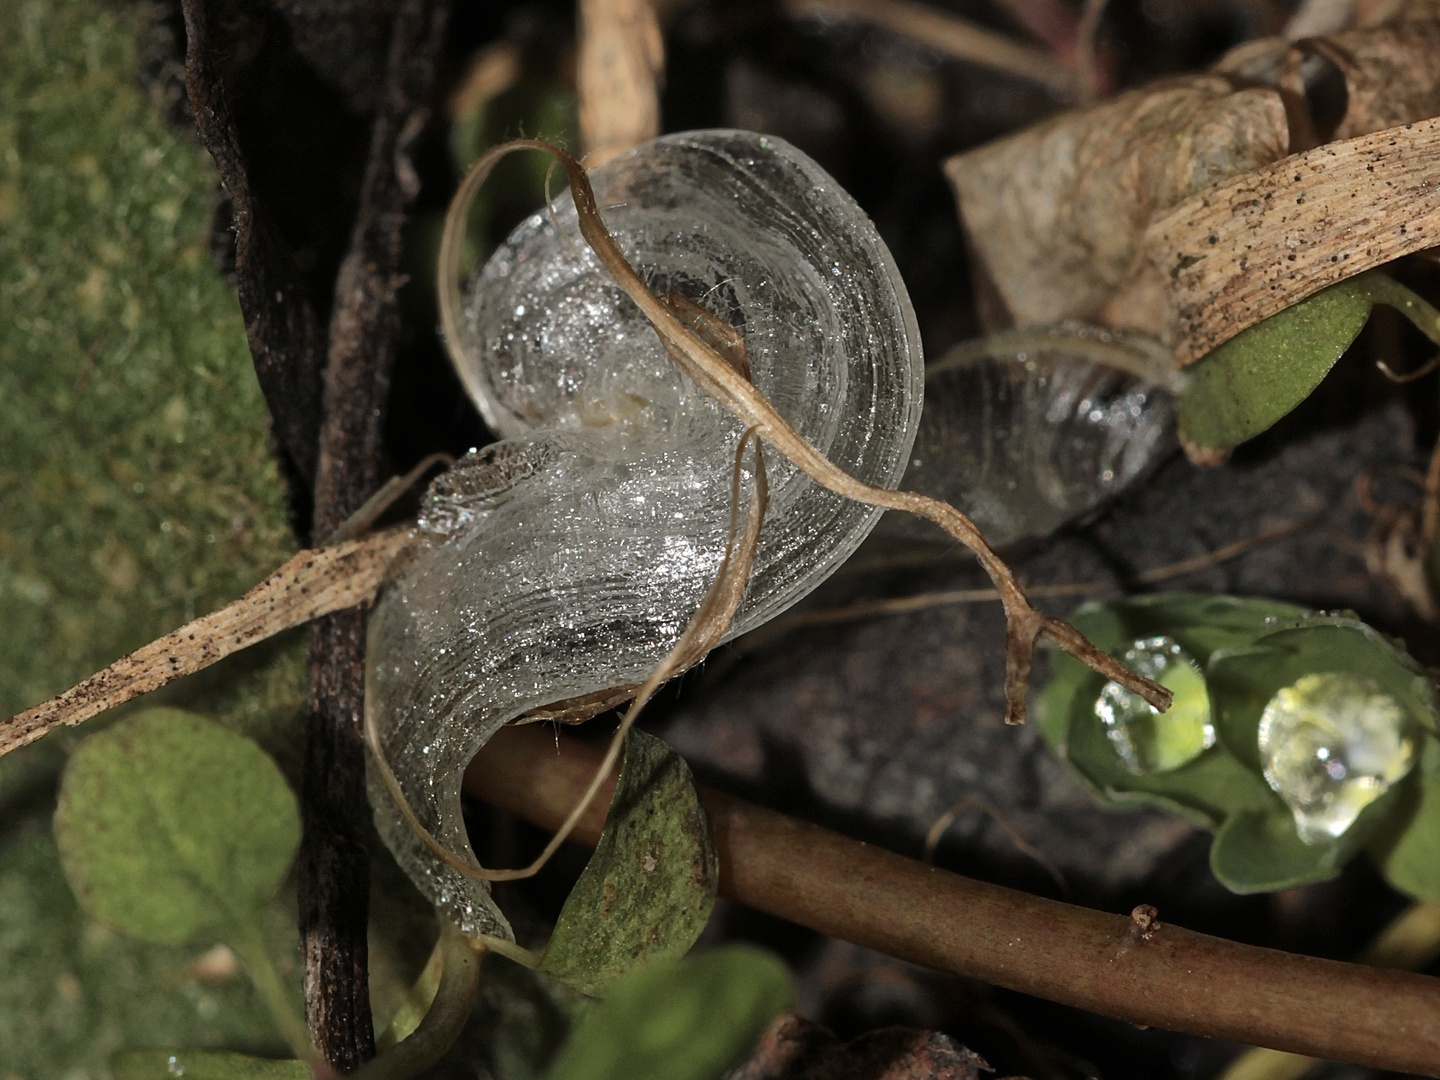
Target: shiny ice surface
1145, 739
569, 558
1027, 442
1331, 744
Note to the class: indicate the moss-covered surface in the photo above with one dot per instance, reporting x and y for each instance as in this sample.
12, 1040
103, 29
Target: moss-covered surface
136, 491
136, 486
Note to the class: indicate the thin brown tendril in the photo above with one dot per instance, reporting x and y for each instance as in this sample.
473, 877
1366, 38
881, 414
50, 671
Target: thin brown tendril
703, 633
1409, 376
705, 365
979, 802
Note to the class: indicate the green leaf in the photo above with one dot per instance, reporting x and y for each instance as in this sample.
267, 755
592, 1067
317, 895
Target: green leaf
1407, 848
1258, 851
172, 827
1203, 791
202, 1065
648, 890
689, 1019
1250, 650
1246, 384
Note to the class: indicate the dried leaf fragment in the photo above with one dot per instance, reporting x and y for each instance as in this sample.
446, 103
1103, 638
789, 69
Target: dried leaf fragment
1392, 73
1056, 213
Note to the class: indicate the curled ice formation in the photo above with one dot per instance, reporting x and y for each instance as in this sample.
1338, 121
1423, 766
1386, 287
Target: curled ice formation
569, 558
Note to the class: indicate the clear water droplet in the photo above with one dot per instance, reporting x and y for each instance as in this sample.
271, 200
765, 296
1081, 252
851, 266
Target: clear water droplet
1331, 744
1145, 739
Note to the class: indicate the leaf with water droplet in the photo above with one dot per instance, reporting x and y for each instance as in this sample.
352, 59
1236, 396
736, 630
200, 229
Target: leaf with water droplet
1259, 851
1243, 680
1252, 651
1205, 789
157, 1064
689, 1019
648, 890
172, 828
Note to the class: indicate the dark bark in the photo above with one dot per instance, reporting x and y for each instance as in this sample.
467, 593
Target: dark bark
284, 332
334, 865
334, 878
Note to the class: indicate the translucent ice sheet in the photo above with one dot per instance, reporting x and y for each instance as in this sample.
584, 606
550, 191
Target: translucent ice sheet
1025, 443
569, 558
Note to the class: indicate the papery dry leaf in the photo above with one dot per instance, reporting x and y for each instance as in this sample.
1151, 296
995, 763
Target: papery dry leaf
1255, 244
1056, 213
1392, 73
620, 68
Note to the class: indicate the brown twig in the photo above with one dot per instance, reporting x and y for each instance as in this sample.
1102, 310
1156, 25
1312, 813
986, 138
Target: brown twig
286, 340
950, 35
1409, 941
1177, 979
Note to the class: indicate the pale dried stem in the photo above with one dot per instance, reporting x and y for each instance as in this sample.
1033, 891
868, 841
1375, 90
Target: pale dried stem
903, 605
619, 70
313, 583
979, 802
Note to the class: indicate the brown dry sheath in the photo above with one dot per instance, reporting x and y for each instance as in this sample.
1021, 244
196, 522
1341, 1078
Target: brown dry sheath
1176, 979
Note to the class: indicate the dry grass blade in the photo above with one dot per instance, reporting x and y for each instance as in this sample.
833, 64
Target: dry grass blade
712, 371
704, 631
313, 583
950, 35
1248, 247
904, 605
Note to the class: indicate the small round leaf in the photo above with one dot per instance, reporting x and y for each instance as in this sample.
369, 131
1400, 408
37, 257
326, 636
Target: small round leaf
172, 828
